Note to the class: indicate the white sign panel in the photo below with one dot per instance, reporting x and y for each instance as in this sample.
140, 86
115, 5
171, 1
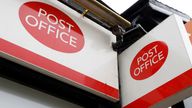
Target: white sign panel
57, 41
156, 71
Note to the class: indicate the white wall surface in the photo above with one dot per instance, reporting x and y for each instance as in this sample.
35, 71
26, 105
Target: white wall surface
13, 95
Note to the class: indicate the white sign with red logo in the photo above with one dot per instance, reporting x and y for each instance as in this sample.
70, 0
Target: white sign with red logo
57, 41
156, 71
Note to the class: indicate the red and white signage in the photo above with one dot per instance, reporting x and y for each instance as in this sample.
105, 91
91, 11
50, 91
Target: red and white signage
55, 40
149, 60
51, 27
157, 69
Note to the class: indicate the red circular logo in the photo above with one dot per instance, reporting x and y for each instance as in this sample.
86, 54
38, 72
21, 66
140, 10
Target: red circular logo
149, 60
51, 27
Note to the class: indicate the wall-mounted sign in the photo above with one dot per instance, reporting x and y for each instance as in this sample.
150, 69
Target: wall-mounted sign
156, 71
149, 60
55, 40
51, 27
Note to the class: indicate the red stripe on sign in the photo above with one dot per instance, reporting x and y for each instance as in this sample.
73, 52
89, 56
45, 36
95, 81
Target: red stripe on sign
168, 89
57, 69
